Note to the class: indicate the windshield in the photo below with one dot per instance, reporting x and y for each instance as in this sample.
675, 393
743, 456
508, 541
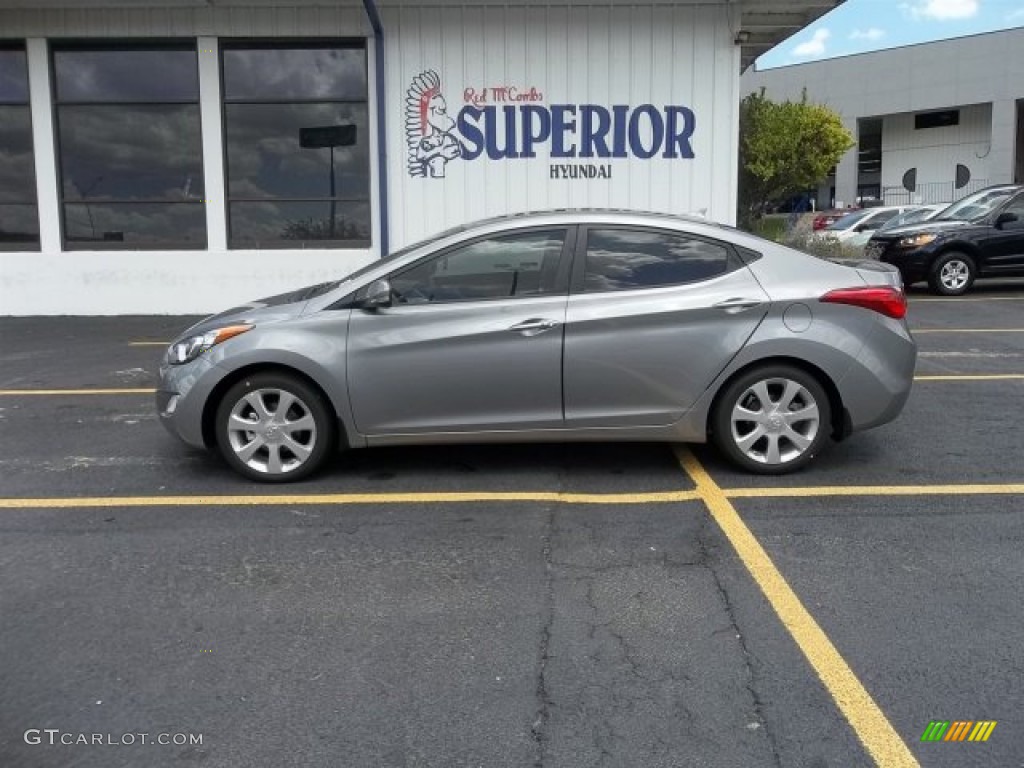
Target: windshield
849, 220
974, 207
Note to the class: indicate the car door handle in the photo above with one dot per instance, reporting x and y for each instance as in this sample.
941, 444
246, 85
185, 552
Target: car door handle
732, 306
533, 326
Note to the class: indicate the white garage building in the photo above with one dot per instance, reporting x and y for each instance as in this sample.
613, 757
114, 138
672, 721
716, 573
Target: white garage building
933, 122
178, 156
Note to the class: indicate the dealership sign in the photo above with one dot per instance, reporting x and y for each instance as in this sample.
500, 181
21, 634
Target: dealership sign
510, 123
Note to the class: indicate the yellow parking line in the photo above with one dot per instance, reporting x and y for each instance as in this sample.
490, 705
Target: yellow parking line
1009, 489
868, 721
346, 498
973, 377
56, 392
966, 330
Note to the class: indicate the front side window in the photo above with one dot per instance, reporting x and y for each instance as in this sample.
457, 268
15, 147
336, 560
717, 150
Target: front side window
19, 215
524, 264
297, 141
130, 147
627, 259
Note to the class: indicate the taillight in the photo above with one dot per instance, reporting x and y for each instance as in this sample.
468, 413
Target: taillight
890, 302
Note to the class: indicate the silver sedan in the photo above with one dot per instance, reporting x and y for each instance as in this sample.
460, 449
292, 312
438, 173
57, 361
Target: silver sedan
560, 326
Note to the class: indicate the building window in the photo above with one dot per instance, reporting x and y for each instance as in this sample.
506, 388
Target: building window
129, 144
297, 144
944, 119
19, 214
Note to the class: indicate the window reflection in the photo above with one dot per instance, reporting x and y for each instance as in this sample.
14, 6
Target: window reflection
265, 158
19, 226
299, 224
130, 148
125, 75
131, 153
287, 74
296, 134
135, 225
619, 259
19, 216
13, 76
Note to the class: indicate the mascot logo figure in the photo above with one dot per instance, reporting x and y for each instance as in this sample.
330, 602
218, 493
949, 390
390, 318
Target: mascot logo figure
428, 127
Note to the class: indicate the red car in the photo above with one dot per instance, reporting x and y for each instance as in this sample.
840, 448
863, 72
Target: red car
824, 218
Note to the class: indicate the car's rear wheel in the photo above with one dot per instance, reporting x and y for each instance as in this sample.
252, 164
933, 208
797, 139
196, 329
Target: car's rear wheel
772, 420
952, 274
274, 427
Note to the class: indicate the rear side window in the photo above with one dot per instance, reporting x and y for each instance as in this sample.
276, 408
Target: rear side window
626, 259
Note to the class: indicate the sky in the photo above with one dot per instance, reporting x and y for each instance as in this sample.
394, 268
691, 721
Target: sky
857, 26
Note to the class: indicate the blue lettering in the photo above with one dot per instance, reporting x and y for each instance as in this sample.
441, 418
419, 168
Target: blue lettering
570, 131
490, 125
535, 132
619, 131
593, 141
680, 125
562, 127
469, 129
636, 144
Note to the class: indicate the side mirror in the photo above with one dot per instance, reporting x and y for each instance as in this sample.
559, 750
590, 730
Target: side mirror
1006, 218
377, 295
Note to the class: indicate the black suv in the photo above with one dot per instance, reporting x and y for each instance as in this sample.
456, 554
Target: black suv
979, 236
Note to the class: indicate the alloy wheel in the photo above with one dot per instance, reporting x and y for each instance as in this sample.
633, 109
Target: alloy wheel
272, 431
775, 421
954, 275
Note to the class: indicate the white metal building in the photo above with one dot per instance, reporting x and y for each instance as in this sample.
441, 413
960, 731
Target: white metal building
933, 122
178, 156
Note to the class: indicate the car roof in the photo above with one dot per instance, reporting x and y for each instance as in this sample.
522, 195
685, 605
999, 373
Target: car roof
590, 214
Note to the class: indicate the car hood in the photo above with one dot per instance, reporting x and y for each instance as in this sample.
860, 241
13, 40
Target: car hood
272, 309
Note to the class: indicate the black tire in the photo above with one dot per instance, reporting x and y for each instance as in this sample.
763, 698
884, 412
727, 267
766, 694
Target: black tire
797, 440
952, 274
273, 434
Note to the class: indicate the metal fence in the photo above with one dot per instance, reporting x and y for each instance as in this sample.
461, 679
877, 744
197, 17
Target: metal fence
934, 192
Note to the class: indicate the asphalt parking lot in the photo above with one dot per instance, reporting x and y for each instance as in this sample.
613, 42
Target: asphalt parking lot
577, 605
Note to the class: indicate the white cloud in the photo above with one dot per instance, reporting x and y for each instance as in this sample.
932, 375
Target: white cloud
867, 34
814, 47
942, 10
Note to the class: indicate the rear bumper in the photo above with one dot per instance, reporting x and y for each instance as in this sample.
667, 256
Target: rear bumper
876, 387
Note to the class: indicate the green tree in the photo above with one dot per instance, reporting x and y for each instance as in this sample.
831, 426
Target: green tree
785, 147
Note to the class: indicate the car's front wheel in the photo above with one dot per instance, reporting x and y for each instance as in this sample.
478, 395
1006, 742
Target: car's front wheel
952, 274
772, 420
274, 427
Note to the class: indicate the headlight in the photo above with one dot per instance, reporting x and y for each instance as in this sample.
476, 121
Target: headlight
915, 241
187, 350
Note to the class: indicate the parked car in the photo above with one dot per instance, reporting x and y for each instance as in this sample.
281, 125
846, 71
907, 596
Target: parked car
824, 218
558, 326
856, 228
914, 215
977, 237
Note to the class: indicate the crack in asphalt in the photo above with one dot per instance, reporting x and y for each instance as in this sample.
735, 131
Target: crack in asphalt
537, 729
747, 656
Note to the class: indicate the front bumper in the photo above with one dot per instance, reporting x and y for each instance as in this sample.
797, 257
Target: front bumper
181, 395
